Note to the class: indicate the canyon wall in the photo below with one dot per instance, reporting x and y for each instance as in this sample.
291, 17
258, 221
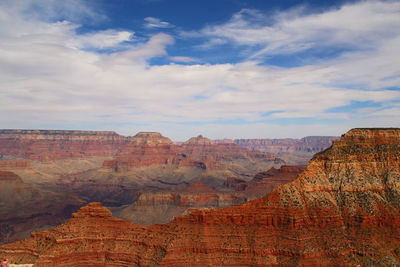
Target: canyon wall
292, 151
56, 144
343, 210
162, 206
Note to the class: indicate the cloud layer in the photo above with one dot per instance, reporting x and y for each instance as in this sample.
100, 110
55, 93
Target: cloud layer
53, 77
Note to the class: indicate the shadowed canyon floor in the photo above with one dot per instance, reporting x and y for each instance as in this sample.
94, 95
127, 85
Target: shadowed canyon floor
343, 210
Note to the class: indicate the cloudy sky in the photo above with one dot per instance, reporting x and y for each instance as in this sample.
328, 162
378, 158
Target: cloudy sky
226, 68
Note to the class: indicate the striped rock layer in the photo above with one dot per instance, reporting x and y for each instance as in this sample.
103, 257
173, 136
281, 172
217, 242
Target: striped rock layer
343, 210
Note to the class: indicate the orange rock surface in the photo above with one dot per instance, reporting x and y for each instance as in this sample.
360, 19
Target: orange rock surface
199, 152
265, 182
343, 210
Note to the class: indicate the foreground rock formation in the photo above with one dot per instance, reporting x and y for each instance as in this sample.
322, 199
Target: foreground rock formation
343, 210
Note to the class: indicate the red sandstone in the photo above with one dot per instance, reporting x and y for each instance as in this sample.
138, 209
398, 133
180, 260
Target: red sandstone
343, 210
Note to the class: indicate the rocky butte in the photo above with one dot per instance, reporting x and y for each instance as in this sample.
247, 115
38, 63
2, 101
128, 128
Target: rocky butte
343, 210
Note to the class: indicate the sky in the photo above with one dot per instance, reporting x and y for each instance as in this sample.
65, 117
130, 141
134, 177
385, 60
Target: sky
221, 68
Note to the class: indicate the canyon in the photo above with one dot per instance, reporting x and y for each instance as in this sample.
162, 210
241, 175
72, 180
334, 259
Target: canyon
146, 178
293, 151
342, 210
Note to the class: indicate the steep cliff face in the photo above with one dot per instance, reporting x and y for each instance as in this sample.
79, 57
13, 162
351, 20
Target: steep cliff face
147, 149
265, 182
343, 210
52, 144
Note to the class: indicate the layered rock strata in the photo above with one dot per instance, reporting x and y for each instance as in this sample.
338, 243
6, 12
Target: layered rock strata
163, 206
199, 152
292, 151
265, 182
54, 144
343, 210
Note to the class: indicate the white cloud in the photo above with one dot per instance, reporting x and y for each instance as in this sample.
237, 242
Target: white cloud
153, 48
102, 39
157, 23
360, 25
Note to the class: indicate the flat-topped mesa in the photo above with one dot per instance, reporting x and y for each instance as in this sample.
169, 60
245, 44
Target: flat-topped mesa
150, 138
371, 136
199, 140
94, 209
71, 135
45, 145
370, 145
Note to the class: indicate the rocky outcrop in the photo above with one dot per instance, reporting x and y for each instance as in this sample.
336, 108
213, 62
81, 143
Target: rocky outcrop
265, 182
343, 210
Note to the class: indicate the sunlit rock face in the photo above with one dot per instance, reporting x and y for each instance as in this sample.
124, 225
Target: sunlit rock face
343, 210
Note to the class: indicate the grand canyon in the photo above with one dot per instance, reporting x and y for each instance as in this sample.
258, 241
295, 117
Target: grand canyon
48, 174
341, 210
199, 133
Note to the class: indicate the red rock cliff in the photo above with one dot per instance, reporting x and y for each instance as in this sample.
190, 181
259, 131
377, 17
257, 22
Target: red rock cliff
55, 144
343, 210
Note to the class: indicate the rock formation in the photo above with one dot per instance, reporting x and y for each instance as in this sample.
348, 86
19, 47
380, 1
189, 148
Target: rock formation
292, 151
343, 210
53, 144
265, 182
146, 149
89, 166
163, 206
